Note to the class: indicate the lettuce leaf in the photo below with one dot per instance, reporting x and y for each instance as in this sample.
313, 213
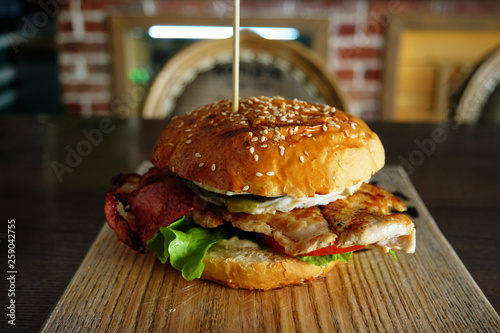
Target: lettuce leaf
185, 244
393, 254
323, 261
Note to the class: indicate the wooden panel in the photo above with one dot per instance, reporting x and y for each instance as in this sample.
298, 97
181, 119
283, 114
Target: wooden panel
424, 47
440, 42
432, 65
117, 290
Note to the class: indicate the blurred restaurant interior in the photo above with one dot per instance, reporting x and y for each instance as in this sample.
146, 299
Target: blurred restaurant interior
84, 82
400, 61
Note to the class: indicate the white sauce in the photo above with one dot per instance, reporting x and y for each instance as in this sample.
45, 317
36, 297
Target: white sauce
237, 242
285, 203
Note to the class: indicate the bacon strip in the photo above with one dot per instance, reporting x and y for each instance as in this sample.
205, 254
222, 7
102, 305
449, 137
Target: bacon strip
159, 203
152, 201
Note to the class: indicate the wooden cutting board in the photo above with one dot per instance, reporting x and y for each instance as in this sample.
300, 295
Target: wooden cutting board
118, 290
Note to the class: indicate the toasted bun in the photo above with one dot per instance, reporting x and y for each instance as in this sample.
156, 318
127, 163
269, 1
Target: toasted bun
270, 147
253, 268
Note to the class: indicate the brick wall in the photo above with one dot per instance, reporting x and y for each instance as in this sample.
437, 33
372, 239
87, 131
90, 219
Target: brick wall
355, 50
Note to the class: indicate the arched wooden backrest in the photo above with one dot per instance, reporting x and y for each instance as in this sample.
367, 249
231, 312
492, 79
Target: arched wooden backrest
478, 88
180, 71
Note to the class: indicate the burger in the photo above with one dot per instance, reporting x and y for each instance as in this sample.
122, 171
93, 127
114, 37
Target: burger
273, 194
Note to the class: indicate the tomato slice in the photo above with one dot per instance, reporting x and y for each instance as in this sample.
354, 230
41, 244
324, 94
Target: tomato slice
332, 249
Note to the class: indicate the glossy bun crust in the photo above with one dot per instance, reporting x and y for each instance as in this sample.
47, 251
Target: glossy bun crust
250, 268
270, 147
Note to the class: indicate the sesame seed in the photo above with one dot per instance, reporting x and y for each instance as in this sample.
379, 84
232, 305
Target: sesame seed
353, 125
337, 125
173, 169
188, 141
243, 123
252, 150
264, 146
246, 188
258, 174
309, 135
197, 155
223, 113
306, 153
296, 129
201, 164
282, 150
263, 138
213, 167
325, 128
190, 135
171, 144
254, 139
187, 130
256, 157
301, 158
270, 173
181, 124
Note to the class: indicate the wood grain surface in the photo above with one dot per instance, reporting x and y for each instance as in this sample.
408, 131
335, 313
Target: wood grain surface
118, 290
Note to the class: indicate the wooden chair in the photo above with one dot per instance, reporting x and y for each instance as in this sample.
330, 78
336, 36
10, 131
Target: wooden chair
201, 74
478, 99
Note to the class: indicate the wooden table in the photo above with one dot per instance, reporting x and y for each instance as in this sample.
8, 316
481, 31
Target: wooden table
55, 173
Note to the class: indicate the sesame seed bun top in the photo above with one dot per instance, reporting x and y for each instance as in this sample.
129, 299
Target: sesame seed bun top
270, 147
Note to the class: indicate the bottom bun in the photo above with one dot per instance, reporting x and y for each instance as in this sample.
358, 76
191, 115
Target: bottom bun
253, 268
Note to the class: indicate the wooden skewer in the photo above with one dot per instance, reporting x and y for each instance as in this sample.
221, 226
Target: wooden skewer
236, 55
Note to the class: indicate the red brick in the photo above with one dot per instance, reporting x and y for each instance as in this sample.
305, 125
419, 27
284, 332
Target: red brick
83, 87
72, 108
345, 74
96, 4
373, 74
64, 26
91, 68
102, 108
347, 29
84, 47
360, 95
89, 27
360, 53
96, 26
374, 28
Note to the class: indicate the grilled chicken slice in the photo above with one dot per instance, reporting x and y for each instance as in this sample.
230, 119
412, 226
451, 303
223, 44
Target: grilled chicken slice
206, 218
299, 231
364, 218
